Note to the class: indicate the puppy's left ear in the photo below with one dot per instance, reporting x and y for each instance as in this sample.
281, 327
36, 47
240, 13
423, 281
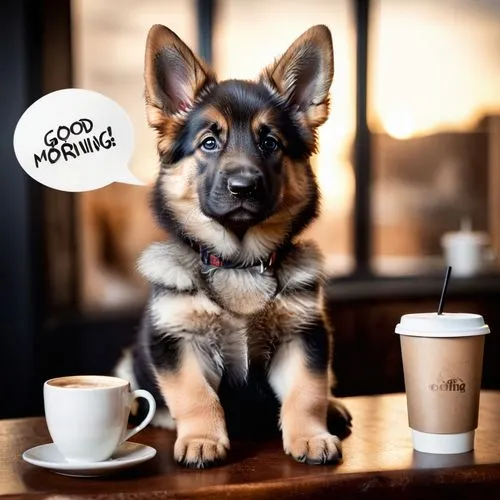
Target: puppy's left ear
303, 75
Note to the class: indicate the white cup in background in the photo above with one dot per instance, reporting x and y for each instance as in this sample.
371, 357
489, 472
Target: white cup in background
87, 415
467, 252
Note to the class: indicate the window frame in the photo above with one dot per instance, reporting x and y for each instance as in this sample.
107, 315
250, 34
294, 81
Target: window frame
362, 228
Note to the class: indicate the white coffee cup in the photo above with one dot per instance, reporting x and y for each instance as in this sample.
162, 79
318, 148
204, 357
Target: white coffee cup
87, 415
442, 362
467, 252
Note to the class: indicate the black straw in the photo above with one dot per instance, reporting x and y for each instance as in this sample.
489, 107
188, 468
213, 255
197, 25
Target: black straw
443, 291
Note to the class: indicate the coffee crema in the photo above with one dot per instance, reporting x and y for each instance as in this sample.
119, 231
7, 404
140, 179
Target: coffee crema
87, 382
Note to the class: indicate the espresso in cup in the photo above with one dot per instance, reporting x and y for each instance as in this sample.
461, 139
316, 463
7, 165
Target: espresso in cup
88, 382
87, 416
442, 362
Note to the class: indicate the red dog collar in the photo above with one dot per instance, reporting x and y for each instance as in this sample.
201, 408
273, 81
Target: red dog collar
212, 260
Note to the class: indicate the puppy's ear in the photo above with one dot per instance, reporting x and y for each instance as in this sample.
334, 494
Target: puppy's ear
173, 75
303, 75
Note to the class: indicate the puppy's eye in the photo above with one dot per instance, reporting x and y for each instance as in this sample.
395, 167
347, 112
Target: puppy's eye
268, 144
209, 144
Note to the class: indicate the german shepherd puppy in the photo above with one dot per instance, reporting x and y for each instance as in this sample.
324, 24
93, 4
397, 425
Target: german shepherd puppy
234, 334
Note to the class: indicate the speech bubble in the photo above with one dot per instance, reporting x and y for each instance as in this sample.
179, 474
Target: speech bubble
75, 140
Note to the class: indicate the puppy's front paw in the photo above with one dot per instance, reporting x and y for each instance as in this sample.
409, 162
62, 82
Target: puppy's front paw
199, 452
318, 449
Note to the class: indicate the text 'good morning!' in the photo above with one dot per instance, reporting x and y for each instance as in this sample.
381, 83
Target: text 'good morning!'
68, 142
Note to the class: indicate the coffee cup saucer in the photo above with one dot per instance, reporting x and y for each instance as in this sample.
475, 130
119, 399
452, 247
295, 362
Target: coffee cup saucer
127, 455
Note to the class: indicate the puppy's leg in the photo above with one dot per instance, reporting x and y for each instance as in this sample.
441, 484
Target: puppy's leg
193, 402
339, 418
298, 375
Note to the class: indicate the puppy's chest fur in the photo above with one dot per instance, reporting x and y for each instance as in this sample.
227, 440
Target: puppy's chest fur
237, 315
241, 292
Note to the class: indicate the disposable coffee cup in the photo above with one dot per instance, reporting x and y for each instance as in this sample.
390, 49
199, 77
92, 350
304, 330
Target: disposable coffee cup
442, 362
87, 415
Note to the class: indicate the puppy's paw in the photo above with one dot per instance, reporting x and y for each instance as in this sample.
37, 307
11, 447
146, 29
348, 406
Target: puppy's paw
339, 418
318, 449
199, 452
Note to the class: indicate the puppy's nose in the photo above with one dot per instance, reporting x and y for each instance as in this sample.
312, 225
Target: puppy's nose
242, 184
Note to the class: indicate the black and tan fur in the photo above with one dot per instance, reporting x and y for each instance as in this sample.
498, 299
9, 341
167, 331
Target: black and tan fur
226, 348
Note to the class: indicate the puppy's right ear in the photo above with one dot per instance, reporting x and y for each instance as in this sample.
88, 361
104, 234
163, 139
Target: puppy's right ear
173, 75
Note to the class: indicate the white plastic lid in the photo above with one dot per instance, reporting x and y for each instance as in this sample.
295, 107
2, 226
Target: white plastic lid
442, 325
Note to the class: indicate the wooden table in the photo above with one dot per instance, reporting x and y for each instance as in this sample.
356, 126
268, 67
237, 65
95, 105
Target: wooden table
378, 463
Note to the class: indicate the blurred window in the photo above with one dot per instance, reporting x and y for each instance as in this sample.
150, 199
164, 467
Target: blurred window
434, 105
